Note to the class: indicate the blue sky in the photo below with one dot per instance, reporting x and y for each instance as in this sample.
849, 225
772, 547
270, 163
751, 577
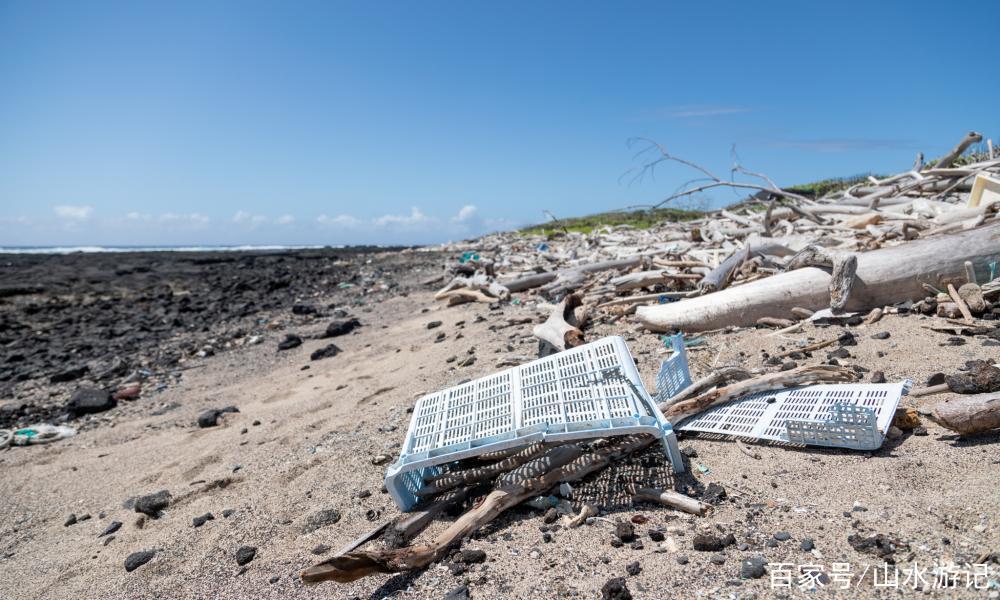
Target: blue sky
416, 122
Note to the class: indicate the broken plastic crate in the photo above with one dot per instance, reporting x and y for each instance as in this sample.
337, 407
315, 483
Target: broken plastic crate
855, 416
591, 391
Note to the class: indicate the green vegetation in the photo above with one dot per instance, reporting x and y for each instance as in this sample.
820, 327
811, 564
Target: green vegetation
825, 186
640, 219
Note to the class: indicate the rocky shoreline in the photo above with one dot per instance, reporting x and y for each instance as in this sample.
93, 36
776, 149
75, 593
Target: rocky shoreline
80, 332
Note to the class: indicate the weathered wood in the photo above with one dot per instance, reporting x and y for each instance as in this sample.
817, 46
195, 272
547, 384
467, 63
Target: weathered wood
673, 500
971, 414
970, 138
530, 281
723, 375
798, 376
883, 277
641, 279
361, 564
556, 330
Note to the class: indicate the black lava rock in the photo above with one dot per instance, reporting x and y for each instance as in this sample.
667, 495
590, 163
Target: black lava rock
656, 535
753, 567
459, 593
152, 504
245, 554
210, 418
624, 531
936, 379
320, 549
471, 556
325, 352
807, 544
70, 520
303, 309
71, 374
633, 568
708, 543
86, 400
615, 589
878, 377
112, 527
320, 519
291, 341
714, 493
341, 327
782, 536
137, 559
202, 519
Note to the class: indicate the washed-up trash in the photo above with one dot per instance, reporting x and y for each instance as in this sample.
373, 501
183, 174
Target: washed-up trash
591, 391
35, 434
468, 256
543, 502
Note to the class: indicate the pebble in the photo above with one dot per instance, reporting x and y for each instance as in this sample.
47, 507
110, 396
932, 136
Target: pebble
291, 341
137, 559
112, 527
656, 536
321, 549
459, 593
245, 554
381, 459
718, 559
633, 568
878, 377
70, 520
470, 557
88, 400
714, 493
210, 418
434, 324
201, 520
325, 352
228, 513
152, 504
341, 327
615, 589
807, 544
625, 531
682, 559
689, 452
320, 519
771, 544
882, 335
782, 536
753, 567
704, 542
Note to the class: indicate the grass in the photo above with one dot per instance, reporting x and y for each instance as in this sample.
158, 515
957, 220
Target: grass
640, 219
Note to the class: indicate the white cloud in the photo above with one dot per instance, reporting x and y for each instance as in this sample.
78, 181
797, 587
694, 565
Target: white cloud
76, 213
692, 111
413, 219
247, 218
466, 214
346, 221
191, 219
285, 220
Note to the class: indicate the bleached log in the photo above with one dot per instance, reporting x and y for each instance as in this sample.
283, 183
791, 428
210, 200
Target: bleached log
883, 277
673, 500
970, 138
530, 281
975, 413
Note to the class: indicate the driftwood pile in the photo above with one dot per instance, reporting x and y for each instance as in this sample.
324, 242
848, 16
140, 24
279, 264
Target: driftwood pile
779, 258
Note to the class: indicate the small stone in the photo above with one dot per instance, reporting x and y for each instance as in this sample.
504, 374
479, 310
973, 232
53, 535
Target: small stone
714, 493
743, 547
210, 418
807, 544
470, 557
108, 540
878, 377
228, 513
625, 531
682, 559
137, 559
83, 517
341, 327
689, 452
440, 337
782, 536
112, 527
633, 568
753, 567
88, 400
274, 579
882, 335
550, 516
320, 519
320, 549
381, 459
70, 520
656, 535
704, 542
456, 569
788, 366
201, 520
434, 324
615, 589
718, 559
920, 430
325, 352
152, 504
459, 593
291, 341
364, 494
771, 543
547, 537
245, 554
936, 379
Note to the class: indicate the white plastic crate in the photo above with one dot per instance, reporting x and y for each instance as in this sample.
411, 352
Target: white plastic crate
853, 416
590, 391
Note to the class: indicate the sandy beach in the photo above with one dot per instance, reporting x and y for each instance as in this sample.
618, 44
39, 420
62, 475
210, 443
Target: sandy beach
276, 475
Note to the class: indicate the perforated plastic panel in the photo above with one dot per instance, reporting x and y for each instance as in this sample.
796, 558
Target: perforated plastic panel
849, 416
674, 374
586, 392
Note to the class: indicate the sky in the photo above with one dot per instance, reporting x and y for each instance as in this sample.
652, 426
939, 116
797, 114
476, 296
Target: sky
250, 122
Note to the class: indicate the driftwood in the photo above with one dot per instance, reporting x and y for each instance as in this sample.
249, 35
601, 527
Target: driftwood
970, 138
361, 564
556, 330
976, 413
643, 279
885, 276
537, 279
721, 376
586, 511
798, 376
673, 500
401, 531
